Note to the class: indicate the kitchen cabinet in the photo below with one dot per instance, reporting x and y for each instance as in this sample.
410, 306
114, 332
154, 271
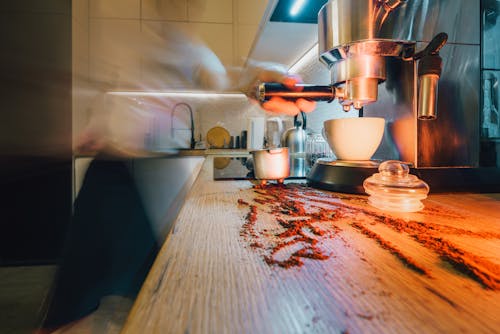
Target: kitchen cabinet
163, 184
36, 130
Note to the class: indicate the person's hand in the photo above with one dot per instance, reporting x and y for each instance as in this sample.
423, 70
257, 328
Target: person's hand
282, 106
89, 142
271, 72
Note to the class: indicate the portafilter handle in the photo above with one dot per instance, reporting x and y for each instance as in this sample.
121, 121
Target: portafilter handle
268, 90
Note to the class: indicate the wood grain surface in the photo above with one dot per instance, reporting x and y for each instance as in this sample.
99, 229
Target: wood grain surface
208, 278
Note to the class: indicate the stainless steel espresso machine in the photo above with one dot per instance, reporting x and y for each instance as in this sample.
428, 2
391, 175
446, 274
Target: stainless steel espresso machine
417, 64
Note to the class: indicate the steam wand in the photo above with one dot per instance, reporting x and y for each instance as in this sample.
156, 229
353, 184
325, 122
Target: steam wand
429, 71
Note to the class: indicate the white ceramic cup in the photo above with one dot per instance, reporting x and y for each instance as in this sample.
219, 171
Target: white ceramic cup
354, 138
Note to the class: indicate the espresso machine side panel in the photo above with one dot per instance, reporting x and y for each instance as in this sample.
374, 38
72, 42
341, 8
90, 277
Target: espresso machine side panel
452, 139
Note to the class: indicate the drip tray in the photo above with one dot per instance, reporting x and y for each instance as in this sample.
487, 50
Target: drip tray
348, 177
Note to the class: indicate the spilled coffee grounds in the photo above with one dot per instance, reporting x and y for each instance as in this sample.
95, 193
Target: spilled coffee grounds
303, 219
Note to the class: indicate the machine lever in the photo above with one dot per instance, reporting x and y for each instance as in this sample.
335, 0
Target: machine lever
433, 47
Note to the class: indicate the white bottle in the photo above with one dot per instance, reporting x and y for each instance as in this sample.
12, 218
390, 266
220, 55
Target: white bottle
255, 136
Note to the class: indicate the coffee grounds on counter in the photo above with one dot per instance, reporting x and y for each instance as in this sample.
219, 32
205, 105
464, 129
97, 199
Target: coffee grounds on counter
303, 218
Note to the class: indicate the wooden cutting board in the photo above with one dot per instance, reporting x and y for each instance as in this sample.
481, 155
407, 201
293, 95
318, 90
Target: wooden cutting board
218, 137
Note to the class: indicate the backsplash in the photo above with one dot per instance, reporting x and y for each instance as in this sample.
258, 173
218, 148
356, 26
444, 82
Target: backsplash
161, 123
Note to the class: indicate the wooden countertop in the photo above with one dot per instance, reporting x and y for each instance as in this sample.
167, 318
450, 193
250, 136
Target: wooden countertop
436, 271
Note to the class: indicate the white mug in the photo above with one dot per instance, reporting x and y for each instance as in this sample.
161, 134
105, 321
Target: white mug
354, 138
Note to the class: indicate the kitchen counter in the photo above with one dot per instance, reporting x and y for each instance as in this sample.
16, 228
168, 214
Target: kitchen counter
299, 260
175, 153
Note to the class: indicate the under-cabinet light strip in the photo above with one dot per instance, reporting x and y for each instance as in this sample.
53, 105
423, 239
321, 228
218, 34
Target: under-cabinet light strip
178, 94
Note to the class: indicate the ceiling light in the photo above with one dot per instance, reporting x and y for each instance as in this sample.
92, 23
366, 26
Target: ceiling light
297, 7
297, 11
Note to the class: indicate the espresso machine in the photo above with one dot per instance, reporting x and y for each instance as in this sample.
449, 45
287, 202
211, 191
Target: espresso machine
415, 63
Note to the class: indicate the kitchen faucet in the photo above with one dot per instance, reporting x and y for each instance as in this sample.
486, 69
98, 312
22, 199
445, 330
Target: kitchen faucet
191, 120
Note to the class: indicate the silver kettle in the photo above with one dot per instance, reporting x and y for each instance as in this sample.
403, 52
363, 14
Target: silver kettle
295, 138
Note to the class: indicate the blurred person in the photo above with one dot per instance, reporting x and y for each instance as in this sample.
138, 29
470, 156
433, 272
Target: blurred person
111, 244
187, 64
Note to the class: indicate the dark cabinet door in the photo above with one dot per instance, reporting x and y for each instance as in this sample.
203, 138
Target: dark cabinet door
35, 129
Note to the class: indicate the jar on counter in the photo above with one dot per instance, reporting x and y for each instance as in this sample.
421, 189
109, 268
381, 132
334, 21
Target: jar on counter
316, 147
